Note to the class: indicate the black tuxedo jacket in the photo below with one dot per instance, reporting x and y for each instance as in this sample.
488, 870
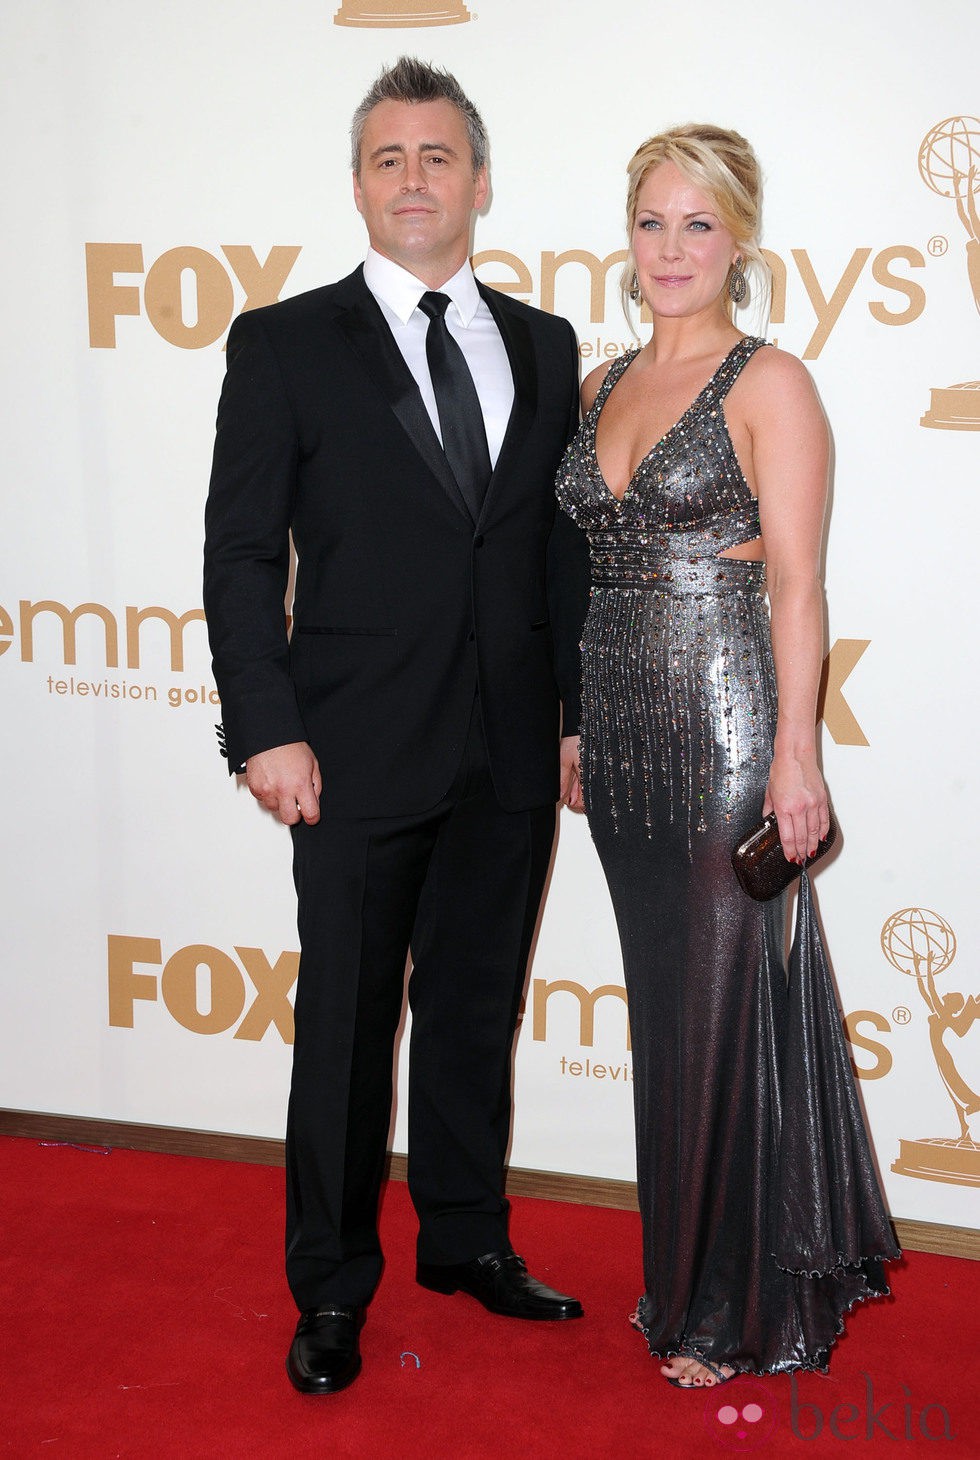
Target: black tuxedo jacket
402, 604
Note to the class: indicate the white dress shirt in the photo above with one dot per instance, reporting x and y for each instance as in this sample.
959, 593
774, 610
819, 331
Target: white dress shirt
471, 325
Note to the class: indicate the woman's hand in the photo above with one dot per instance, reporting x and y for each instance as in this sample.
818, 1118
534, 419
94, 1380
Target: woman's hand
570, 793
798, 796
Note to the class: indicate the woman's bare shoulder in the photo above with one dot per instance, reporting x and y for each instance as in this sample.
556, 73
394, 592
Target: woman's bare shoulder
592, 384
774, 370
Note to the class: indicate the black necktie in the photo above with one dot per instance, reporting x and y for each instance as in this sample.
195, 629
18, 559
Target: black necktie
464, 437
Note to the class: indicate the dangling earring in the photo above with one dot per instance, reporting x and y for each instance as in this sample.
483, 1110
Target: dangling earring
634, 288
737, 287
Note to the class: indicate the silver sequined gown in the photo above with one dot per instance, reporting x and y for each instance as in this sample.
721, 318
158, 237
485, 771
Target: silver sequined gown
762, 1217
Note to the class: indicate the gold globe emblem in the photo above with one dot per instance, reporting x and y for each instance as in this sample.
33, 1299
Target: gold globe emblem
917, 941
949, 156
922, 944
949, 164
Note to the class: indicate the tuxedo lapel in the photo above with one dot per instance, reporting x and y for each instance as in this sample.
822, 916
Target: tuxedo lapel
366, 331
520, 352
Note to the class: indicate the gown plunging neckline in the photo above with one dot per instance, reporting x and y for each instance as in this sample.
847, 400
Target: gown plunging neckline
603, 396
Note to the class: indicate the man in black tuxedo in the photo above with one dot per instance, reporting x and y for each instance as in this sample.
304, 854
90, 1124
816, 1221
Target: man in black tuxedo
405, 425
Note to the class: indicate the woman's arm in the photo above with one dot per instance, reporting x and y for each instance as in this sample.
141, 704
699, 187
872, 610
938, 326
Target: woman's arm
571, 769
790, 455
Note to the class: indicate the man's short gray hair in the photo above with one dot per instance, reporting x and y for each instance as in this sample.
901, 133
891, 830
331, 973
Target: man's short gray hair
415, 81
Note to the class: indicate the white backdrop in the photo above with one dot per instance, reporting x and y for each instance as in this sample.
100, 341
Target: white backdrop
165, 164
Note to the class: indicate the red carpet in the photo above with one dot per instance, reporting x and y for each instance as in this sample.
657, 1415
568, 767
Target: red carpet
144, 1314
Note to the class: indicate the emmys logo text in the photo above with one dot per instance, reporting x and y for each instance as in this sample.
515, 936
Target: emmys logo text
189, 297
827, 295
576, 1012
48, 632
107, 637
564, 1010
585, 1004
105, 633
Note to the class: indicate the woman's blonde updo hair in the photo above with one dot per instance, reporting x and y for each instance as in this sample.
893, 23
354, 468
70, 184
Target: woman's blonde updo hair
719, 162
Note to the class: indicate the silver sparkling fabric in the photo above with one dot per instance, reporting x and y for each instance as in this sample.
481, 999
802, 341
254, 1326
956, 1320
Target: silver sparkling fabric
762, 1221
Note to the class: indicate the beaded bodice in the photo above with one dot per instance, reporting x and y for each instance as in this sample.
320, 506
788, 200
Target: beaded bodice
687, 500
678, 687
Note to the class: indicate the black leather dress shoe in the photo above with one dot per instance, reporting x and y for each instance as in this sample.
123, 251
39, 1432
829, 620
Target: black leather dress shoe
501, 1282
324, 1355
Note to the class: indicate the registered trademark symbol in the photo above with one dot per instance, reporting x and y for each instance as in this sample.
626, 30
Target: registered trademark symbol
938, 245
901, 1015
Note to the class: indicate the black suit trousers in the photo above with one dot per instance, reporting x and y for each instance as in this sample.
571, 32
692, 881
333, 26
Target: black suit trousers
461, 884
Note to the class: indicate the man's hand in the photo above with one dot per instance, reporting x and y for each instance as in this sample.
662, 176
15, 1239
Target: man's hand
287, 781
570, 793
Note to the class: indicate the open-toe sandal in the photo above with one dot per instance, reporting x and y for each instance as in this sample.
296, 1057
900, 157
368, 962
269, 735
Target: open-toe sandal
720, 1377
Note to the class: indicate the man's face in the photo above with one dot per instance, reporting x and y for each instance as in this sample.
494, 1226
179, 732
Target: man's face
416, 191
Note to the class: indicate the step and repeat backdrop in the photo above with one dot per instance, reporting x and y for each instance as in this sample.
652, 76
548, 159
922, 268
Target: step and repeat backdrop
169, 166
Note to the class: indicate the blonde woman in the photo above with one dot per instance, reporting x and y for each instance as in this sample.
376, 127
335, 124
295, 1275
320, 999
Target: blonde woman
700, 475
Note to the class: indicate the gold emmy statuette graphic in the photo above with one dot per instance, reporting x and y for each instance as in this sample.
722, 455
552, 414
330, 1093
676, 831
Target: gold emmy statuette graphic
922, 944
394, 13
949, 163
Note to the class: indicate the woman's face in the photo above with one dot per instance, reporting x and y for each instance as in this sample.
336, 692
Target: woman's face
681, 247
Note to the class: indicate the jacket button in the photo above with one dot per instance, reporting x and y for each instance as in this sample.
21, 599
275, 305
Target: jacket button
478, 540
